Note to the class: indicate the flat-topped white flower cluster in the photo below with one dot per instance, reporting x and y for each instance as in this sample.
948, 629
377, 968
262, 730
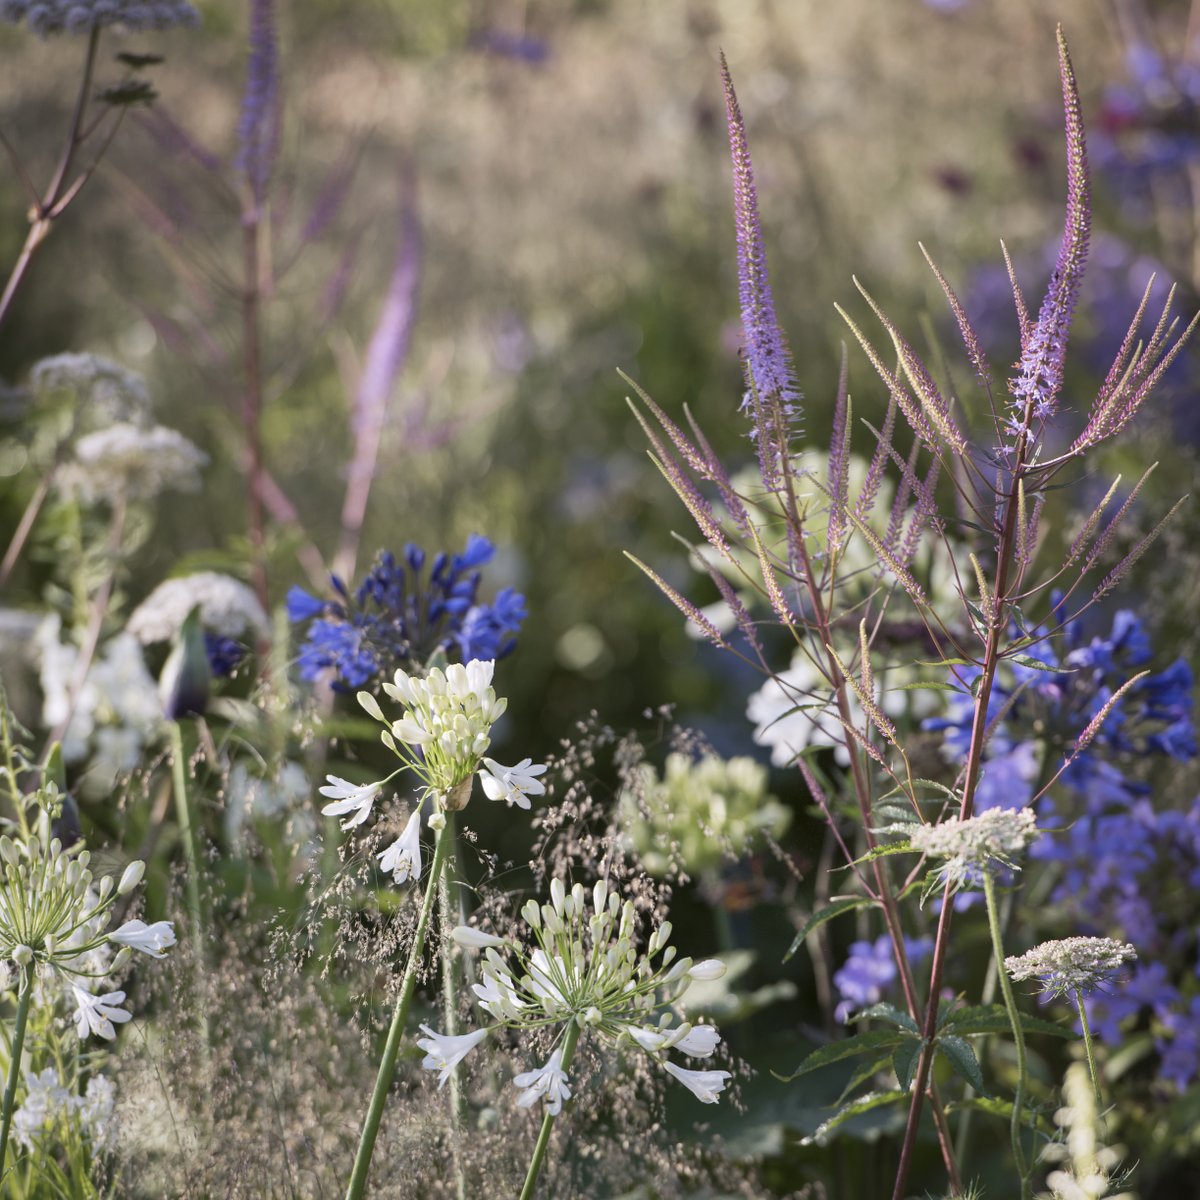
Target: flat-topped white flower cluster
978, 844
1071, 966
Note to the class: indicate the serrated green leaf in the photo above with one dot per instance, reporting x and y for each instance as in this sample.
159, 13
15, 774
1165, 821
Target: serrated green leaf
931, 685
976, 684
861, 1105
993, 1018
999, 1108
851, 1047
958, 1053
1036, 664
904, 1062
831, 910
887, 1012
864, 1071
947, 662
878, 852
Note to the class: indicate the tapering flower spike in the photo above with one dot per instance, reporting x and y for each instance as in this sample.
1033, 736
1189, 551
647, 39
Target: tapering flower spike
1040, 369
772, 398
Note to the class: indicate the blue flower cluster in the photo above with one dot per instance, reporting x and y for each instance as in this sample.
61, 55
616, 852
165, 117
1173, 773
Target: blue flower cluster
398, 616
870, 971
1127, 870
225, 654
1046, 709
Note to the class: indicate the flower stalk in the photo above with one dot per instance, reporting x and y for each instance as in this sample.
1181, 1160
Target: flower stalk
24, 998
391, 1051
543, 1141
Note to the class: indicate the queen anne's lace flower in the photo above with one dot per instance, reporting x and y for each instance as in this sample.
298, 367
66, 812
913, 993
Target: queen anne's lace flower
82, 16
977, 844
124, 462
586, 969
1071, 966
105, 391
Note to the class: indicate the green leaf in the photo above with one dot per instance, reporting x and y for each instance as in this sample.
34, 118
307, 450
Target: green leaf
853, 1109
864, 1071
999, 1108
930, 685
831, 910
1036, 664
993, 1018
958, 1053
879, 852
887, 1012
904, 1062
947, 662
851, 1047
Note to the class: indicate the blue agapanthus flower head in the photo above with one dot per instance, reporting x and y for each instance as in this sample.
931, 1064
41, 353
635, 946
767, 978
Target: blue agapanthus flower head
401, 615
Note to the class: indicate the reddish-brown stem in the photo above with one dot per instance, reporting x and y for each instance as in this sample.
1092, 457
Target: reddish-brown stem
25, 526
51, 205
979, 726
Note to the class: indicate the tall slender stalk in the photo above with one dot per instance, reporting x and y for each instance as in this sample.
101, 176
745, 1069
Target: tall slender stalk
24, 996
450, 988
1014, 1017
543, 1141
1089, 1048
391, 1051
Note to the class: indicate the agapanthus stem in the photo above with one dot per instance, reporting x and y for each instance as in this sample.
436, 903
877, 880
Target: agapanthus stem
450, 981
183, 816
539, 1150
391, 1049
24, 996
1089, 1049
1014, 1017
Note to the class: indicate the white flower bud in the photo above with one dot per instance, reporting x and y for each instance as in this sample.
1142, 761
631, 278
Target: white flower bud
22, 956
557, 895
710, 968
437, 822
131, 877
474, 939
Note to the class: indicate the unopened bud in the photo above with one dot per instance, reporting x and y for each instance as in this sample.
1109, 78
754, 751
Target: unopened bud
131, 878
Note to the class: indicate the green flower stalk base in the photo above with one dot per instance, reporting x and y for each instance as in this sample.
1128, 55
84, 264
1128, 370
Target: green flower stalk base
1014, 1017
14, 1068
1089, 1048
539, 1150
391, 1050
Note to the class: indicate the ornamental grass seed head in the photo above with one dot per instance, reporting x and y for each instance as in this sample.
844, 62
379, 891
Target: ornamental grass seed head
585, 967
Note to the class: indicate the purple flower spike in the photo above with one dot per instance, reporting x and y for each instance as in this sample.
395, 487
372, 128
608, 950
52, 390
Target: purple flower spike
1040, 370
258, 126
772, 396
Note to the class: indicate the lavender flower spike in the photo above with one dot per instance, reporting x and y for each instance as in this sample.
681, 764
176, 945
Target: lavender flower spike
258, 125
772, 390
1040, 370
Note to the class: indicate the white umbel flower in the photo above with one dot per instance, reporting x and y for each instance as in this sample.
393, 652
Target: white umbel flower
1071, 966
104, 391
975, 845
443, 1053
357, 799
514, 785
153, 940
125, 462
228, 608
403, 857
547, 1083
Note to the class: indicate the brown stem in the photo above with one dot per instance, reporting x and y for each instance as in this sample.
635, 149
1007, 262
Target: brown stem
25, 527
979, 727
49, 207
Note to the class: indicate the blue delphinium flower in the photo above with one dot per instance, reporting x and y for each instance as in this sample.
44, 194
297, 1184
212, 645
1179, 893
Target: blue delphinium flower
398, 616
869, 972
1045, 710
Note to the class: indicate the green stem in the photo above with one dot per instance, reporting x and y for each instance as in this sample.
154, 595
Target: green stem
1089, 1049
183, 815
391, 1050
1010, 1003
539, 1150
450, 982
14, 1066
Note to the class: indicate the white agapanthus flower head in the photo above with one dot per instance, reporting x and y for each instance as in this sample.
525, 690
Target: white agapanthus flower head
977, 845
584, 968
54, 919
228, 609
1071, 966
125, 462
45, 17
